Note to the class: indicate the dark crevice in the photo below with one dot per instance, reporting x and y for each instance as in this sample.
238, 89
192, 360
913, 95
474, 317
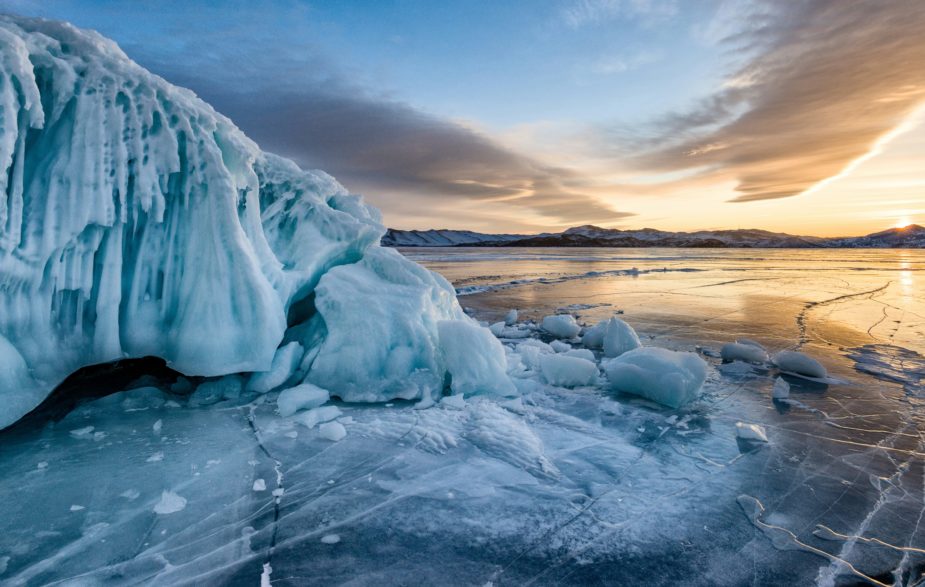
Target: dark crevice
91, 383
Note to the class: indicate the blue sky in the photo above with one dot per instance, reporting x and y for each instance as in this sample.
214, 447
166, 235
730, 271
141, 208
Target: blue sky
548, 113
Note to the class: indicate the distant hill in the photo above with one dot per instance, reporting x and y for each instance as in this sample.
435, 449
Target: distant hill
912, 236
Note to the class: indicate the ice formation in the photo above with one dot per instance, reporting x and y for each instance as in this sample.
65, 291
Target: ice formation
751, 432
561, 326
565, 371
136, 221
613, 335
739, 351
799, 364
781, 389
667, 377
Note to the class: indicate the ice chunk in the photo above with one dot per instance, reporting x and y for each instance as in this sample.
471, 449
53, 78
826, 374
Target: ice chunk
497, 328
211, 392
511, 317
750, 432
471, 369
593, 338
800, 364
332, 431
565, 371
170, 503
259, 485
313, 417
381, 342
142, 398
559, 346
285, 362
667, 377
619, 337
301, 397
84, 432
751, 342
581, 354
330, 539
781, 389
739, 351
561, 326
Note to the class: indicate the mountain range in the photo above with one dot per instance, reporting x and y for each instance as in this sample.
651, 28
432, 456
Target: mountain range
912, 236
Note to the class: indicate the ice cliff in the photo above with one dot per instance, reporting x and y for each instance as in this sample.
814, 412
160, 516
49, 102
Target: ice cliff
136, 221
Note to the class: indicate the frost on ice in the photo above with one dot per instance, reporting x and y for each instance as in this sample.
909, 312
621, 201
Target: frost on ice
136, 221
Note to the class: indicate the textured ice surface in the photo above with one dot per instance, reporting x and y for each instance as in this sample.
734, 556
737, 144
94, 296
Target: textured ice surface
136, 221
559, 486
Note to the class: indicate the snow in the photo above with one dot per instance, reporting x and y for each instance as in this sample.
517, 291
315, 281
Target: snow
567, 371
561, 325
136, 221
750, 432
667, 377
799, 364
316, 416
170, 503
619, 337
781, 389
738, 351
301, 397
333, 431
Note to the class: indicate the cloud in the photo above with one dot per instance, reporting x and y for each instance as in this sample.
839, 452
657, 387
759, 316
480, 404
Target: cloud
305, 108
821, 83
579, 13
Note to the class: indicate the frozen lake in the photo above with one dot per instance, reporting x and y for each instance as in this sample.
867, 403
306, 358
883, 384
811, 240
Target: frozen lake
578, 486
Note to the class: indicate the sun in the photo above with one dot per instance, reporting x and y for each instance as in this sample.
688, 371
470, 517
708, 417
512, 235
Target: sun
902, 222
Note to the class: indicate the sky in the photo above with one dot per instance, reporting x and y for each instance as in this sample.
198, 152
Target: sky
805, 116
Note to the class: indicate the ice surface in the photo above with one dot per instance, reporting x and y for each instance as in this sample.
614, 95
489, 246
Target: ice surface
301, 397
739, 351
567, 371
800, 364
668, 377
561, 325
136, 221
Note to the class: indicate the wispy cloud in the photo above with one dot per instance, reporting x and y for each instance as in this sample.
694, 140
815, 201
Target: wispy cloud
579, 13
820, 84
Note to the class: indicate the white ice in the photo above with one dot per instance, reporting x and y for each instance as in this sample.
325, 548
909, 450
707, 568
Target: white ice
565, 371
301, 397
667, 377
739, 351
561, 325
800, 364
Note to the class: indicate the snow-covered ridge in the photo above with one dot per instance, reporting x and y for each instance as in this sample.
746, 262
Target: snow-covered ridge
442, 238
593, 236
136, 221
